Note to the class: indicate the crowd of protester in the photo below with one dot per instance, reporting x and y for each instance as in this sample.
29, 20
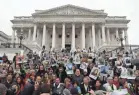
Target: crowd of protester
62, 73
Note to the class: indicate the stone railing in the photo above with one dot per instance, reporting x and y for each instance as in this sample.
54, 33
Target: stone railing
23, 17
116, 18
15, 45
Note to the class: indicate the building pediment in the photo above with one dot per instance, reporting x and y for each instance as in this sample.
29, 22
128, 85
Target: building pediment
70, 10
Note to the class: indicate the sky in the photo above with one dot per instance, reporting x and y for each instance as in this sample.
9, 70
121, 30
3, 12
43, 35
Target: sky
129, 8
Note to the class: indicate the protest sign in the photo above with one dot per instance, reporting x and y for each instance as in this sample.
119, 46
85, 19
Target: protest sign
84, 66
130, 74
127, 61
94, 73
69, 68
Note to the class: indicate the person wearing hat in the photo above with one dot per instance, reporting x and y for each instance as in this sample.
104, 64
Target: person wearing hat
109, 86
125, 85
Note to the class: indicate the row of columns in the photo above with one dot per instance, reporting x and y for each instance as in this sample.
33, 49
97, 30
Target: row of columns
93, 33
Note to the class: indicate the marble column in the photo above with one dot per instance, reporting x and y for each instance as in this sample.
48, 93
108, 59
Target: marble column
93, 36
17, 39
29, 34
54, 36
126, 36
73, 36
63, 36
108, 36
83, 36
103, 35
90, 38
13, 36
117, 35
38, 36
44, 35
99, 37
34, 33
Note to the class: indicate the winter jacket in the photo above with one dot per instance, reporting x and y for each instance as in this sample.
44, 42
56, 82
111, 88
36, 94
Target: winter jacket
28, 89
57, 90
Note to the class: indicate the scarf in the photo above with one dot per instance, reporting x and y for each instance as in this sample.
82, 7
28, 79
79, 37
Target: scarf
116, 83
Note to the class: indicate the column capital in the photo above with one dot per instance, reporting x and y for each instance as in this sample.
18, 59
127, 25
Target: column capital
54, 24
108, 28
125, 29
21, 29
73, 23
116, 29
103, 24
44, 24
83, 24
63, 23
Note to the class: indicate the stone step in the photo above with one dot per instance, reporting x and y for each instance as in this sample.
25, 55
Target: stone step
10, 52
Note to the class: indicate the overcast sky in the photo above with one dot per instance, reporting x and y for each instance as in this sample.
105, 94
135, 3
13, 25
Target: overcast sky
129, 8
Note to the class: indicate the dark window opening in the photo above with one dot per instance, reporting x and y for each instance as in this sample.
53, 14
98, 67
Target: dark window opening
76, 36
59, 36
68, 36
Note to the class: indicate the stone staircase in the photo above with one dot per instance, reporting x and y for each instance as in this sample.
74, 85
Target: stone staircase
10, 49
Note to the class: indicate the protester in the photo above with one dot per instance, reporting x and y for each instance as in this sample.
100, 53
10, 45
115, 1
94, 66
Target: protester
109, 86
41, 71
20, 85
9, 81
85, 86
58, 73
3, 89
116, 81
57, 88
77, 77
98, 86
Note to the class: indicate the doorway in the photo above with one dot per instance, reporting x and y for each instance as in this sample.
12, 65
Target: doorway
68, 47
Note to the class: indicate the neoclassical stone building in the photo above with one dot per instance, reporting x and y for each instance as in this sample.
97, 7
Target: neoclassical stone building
70, 27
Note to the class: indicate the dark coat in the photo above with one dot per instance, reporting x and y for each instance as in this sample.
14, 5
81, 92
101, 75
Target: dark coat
77, 79
83, 90
8, 85
28, 89
57, 90
40, 73
100, 88
62, 76
44, 88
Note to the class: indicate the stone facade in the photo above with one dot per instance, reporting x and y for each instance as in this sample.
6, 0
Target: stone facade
4, 38
70, 27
